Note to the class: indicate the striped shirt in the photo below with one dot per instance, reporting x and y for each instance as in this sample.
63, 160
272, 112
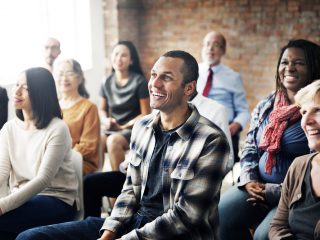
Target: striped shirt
193, 168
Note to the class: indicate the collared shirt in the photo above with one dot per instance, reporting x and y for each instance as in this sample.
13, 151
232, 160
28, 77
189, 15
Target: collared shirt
193, 168
227, 89
216, 113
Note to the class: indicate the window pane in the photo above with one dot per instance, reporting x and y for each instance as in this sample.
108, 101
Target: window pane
26, 24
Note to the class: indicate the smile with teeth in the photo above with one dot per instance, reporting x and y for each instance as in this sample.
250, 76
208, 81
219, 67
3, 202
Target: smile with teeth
155, 94
313, 132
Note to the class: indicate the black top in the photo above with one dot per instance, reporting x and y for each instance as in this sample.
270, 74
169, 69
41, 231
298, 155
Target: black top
305, 213
123, 101
3, 106
151, 204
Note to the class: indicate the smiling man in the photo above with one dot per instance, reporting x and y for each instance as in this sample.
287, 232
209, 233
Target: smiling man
177, 161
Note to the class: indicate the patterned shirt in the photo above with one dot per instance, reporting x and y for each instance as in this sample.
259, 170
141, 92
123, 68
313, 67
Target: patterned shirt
193, 167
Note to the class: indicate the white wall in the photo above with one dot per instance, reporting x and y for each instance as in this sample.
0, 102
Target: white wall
94, 75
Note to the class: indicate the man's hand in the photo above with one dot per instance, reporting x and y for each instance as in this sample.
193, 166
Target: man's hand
234, 127
108, 235
257, 193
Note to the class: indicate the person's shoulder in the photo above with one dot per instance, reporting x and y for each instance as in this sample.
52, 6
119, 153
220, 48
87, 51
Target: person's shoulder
56, 124
301, 161
269, 99
88, 103
201, 100
108, 78
139, 78
11, 125
229, 71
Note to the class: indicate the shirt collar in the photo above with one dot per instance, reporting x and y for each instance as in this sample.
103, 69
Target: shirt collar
186, 129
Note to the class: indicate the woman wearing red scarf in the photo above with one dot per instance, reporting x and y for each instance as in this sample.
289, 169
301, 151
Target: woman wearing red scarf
275, 138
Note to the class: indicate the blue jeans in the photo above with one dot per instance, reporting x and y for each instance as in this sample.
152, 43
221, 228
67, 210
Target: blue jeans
77, 230
237, 216
39, 210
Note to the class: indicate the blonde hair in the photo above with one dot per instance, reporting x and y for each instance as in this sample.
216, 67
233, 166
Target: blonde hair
308, 93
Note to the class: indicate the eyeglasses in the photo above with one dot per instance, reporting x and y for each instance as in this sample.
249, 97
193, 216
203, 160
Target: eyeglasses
67, 74
213, 45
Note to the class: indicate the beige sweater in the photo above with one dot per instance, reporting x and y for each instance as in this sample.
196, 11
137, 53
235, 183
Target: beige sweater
36, 162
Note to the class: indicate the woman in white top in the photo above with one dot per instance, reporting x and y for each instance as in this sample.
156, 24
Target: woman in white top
35, 158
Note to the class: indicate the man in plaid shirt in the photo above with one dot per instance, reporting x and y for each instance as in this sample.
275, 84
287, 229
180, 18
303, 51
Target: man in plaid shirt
177, 162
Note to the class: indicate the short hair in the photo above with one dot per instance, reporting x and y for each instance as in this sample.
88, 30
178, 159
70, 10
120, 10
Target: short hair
190, 69
312, 55
43, 97
308, 93
222, 38
76, 67
135, 65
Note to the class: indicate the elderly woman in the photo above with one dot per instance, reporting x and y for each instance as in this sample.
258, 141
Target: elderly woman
274, 140
80, 114
297, 216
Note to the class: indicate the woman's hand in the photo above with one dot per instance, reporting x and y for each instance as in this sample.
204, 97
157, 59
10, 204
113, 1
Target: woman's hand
111, 124
257, 193
108, 235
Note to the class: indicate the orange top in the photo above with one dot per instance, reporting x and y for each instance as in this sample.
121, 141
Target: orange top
84, 126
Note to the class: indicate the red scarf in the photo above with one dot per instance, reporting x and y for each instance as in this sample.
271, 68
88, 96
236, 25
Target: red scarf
281, 115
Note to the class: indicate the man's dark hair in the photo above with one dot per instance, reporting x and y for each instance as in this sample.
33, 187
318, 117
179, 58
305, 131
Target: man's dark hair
312, 55
190, 69
43, 97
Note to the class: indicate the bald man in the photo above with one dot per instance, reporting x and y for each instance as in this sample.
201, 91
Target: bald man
224, 85
51, 52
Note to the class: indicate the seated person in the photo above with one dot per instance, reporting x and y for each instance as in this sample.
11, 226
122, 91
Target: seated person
79, 113
109, 184
3, 106
177, 162
124, 99
297, 216
35, 156
274, 140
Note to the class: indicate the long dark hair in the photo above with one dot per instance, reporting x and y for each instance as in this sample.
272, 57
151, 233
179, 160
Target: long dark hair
312, 55
135, 65
43, 97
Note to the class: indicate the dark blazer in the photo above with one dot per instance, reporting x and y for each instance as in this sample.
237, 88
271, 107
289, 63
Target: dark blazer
3, 106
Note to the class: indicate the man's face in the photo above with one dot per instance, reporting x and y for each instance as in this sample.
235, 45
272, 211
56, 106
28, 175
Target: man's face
51, 51
166, 89
212, 49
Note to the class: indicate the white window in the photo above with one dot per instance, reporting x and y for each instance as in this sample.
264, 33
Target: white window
25, 25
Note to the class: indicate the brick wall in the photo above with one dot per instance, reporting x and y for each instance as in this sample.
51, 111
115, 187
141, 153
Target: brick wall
255, 31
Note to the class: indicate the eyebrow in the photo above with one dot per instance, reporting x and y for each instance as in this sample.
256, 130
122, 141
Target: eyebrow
167, 72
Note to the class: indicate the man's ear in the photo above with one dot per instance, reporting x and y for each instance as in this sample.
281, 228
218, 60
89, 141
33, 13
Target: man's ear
189, 88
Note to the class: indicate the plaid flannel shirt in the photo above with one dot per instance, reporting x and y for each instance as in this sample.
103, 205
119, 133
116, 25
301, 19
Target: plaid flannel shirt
193, 168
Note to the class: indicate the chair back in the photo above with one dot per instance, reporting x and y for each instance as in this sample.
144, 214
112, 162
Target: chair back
77, 164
